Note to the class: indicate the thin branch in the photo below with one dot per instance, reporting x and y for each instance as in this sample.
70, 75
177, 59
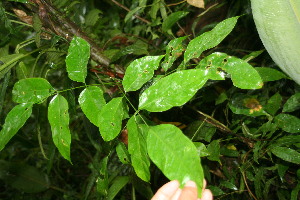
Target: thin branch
127, 9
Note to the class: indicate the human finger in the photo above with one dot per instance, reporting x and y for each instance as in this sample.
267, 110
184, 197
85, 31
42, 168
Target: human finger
207, 195
167, 191
189, 191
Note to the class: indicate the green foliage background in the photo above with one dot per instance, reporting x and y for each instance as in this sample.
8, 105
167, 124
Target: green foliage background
242, 121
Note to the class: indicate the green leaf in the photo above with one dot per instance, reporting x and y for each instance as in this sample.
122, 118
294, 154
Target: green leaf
31, 90
214, 151
286, 154
58, 117
131, 13
77, 59
243, 75
173, 90
154, 9
269, 74
21, 1
274, 104
209, 39
14, 120
91, 101
292, 104
173, 51
288, 123
174, 154
92, 17
102, 181
295, 192
137, 148
172, 19
116, 186
9, 62
201, 149
110, 118
122, 153
139, 72
24, 177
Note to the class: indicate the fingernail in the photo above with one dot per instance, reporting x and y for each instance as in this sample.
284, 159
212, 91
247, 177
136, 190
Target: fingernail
191, 184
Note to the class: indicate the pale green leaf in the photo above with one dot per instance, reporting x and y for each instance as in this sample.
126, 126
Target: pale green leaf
137, 148
173, 90
131, 13
154, 9
77, 59
139, 72
209, 39
214, 151
287, 154
172, 19
31, 90
274, 104
91, 101
175, 155
58, 117
92, 17
110, 118
14, 120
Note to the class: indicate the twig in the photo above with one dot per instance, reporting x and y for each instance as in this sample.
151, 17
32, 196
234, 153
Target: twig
127, 9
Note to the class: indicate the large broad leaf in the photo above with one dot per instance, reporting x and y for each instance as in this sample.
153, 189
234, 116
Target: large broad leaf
77, 59
23, 177
172, 19
209, 39
14, 120
242, 74
174, 154
137, 148
91, 101
110, 118
173, 90
288, 123
31, 90
58, 117
286, 154
139, 72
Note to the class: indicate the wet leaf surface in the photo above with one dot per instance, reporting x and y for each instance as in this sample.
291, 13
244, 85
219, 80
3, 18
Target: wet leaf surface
174, 154
58, 117
286, 154
288, 123
173, 90
14, 120
77, 59
91, 101
139, 72
31, 90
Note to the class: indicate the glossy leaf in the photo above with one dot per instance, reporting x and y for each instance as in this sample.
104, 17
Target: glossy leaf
137, 148
243, 75
110, 118
286, 154
139, 72
292, 104
288, 123
58, 117
173, 51
91, 101
14, 120
201, 149
174, 154
122, 153
173, 90
172, 19
269, 74
77, 59
209, 39
31, 90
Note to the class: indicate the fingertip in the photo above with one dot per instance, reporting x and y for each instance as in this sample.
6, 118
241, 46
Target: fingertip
207, 195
